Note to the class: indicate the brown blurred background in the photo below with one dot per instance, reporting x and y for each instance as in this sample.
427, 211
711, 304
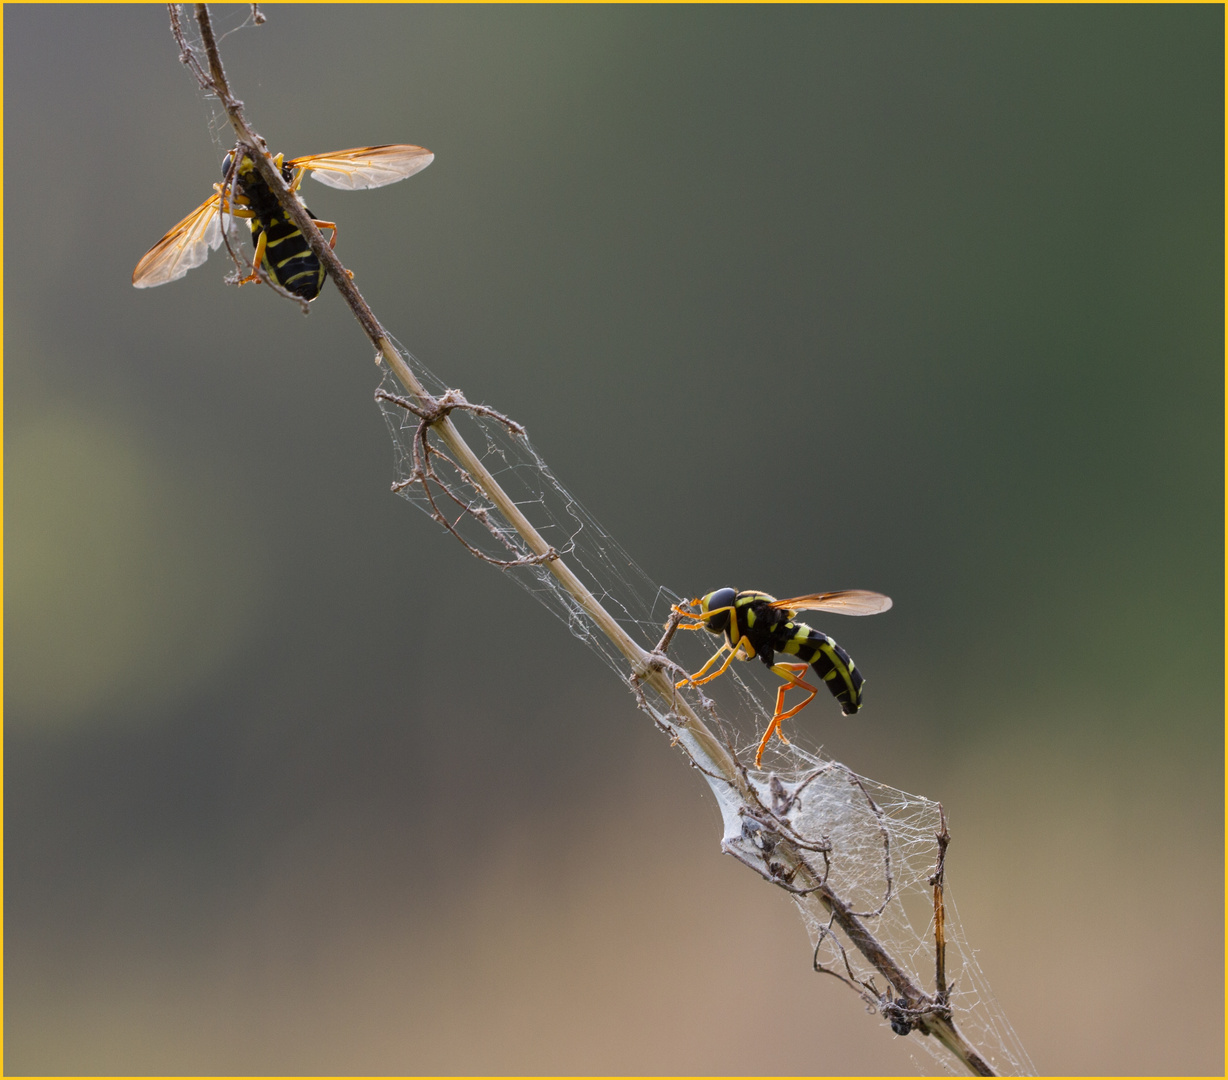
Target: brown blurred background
294, 785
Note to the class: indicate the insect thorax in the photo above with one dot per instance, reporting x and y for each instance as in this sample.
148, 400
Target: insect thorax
760, 622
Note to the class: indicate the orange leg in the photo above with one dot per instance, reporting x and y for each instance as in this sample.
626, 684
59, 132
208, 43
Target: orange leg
261, 244
790, 673
742, 646
700, 623
794, 670
774, 726
294, 186
332, 243
235, 200
695, 680
682, 610
257, 260
236, 209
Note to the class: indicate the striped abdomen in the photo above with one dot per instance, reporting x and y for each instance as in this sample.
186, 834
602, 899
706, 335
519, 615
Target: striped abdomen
830, 662
288, 259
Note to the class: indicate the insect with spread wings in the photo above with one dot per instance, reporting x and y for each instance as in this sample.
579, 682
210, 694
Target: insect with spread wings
281, 248
755, 624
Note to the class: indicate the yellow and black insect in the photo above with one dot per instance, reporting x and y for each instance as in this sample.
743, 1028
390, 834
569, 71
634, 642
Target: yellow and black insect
755, 624
281, 248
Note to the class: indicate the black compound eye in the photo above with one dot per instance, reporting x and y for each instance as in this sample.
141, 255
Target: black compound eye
714, 601
719, 599
226, 163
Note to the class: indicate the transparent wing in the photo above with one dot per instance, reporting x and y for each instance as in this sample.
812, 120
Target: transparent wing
365, 166
187, 245
844, 602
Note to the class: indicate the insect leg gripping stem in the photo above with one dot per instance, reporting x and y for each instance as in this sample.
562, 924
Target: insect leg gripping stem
257, 259
321, 225
695, 680
701, 623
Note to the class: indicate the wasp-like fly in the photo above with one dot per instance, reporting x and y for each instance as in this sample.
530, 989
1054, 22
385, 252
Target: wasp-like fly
755, 624
281, 248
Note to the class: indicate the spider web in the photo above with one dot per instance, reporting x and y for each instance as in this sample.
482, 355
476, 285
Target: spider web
876, 845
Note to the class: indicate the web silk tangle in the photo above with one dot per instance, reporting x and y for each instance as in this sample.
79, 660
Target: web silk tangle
881, 851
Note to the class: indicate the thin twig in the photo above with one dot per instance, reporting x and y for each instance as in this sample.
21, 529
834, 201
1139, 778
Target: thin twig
940, 933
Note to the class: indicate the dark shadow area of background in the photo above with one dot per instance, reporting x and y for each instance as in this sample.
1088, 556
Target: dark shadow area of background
924, 300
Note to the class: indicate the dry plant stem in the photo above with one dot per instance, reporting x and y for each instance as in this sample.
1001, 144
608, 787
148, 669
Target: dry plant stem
940, 930
705, 750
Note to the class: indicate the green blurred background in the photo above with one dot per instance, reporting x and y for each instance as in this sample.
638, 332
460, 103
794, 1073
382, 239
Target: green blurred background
925, 300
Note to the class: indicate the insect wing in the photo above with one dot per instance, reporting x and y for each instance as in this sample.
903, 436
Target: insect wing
186, 246
844, 602
365, 166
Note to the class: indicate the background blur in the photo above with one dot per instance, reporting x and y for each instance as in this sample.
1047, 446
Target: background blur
923, 300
